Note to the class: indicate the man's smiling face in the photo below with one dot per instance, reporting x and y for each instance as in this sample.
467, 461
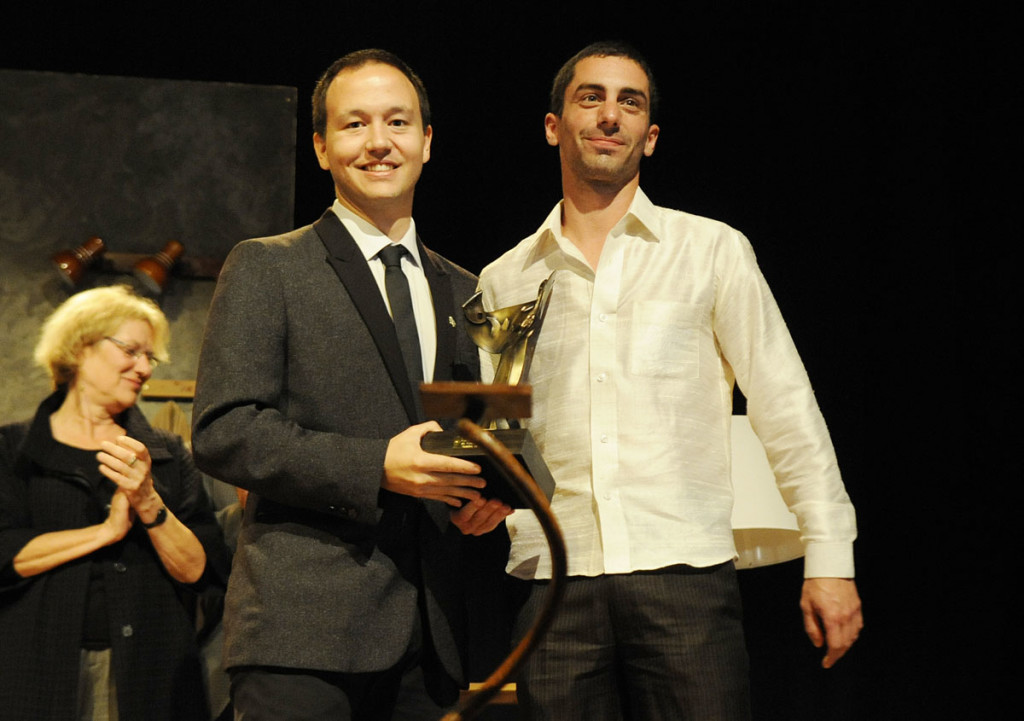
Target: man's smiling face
375, 144
605, 126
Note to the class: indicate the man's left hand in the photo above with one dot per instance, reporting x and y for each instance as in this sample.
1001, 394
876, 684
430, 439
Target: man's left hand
479, 516
832, 615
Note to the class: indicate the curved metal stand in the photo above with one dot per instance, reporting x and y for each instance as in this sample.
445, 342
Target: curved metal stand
525, 486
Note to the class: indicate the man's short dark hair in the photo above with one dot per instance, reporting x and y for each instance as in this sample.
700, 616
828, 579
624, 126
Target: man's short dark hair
358, 59
608, 48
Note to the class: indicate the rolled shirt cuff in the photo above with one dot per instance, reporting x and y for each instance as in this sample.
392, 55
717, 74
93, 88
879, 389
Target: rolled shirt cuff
828, 560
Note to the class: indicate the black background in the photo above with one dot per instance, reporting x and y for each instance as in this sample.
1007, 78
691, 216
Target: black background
866, 151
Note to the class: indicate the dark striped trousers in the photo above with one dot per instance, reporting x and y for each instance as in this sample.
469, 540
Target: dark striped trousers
646, 646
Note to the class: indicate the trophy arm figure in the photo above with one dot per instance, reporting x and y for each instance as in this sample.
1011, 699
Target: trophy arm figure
509, 332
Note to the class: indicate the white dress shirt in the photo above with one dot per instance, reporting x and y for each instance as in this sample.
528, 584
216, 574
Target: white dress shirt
632, 397
371, 241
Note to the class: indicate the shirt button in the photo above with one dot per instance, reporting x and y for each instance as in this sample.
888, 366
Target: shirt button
127, 630
602, 317
601, 377
604, 438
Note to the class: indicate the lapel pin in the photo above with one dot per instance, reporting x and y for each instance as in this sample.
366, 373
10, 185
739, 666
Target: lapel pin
451, 321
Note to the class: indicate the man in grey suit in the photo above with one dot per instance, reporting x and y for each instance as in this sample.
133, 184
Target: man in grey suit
344, 600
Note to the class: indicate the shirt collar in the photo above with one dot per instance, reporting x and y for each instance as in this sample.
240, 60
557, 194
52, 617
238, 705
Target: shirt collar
370, 239
640, 220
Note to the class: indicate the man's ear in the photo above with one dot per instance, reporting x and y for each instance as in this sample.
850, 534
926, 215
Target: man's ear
652, 138
551, 128
320, 146
428, 133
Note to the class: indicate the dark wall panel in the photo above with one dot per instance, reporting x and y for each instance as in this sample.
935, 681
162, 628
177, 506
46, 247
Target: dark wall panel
137, 162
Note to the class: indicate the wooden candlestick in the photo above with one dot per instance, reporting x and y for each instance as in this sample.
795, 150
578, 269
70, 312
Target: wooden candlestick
71, 264
152, 272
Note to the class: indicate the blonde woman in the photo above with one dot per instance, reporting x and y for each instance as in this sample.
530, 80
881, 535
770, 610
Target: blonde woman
105, 531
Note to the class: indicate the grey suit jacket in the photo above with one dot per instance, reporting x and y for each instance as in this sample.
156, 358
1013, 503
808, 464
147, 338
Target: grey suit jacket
301, 384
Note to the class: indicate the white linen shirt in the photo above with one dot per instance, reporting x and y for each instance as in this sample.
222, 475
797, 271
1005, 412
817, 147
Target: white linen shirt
632, 381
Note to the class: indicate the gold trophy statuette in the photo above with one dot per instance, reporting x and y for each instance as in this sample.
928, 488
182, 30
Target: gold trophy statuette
511, 333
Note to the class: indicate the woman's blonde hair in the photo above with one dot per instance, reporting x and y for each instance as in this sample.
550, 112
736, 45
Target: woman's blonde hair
88, 317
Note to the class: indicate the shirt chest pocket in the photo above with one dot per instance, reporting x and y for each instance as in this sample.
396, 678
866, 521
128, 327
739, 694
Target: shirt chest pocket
665, 339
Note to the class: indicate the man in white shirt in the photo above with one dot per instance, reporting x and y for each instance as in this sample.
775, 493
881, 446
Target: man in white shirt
344, 600
654, 315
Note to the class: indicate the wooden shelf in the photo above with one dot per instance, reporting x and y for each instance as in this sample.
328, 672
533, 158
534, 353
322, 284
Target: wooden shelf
505, 697
176, 389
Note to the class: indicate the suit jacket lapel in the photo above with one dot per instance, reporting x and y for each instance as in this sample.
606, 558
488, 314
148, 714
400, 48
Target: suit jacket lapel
441, 293
354, 273
444, 359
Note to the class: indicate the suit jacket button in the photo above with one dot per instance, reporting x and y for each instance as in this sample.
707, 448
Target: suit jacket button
120, 567
127, 630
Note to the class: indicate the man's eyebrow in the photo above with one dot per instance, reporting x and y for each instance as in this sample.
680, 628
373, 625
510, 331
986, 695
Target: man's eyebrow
583, 87
634, 92
394, 110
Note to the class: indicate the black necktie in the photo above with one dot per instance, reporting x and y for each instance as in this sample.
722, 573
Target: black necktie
397, 286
